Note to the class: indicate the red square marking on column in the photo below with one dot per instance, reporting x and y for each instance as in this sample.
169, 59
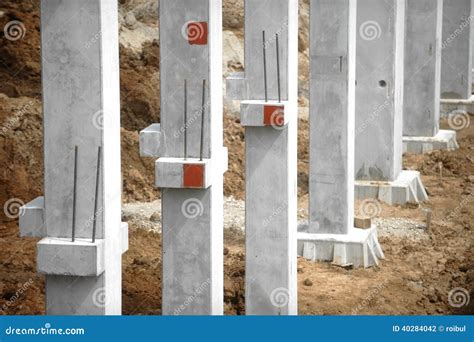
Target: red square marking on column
274, 116
197, 33
193, 175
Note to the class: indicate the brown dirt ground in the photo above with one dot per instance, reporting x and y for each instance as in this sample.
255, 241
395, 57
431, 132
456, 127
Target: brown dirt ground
415, 278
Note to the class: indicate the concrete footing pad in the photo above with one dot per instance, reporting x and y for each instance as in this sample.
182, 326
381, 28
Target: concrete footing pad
358, 248
407, 188
449, 106
444, 140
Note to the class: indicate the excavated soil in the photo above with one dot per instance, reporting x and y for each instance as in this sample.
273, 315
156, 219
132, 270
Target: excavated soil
421, 267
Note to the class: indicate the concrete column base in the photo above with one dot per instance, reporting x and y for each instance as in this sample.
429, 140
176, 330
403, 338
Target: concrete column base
449, 106
444, 140
358, 248
408, 188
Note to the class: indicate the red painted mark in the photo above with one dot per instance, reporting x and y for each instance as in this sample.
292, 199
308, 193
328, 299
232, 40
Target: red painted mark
197, 33
274, 116
193, 175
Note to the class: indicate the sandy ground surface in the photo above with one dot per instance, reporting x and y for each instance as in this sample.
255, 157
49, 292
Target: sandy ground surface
421, 267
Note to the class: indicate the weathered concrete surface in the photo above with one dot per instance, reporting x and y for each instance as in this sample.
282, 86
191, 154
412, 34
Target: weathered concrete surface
424, 19
271, 160
80, 68
270, 16
456, 106
192, 219
81, 258
332, 115
407, 188
379, 90
150, 141
357, 248
456, 72
443, 140
31, 220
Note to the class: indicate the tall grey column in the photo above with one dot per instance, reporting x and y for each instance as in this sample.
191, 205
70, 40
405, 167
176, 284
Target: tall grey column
379, 104
80, 214
269, 113
421, 106
332, 115
422, 67
457, 56
192, 159
456, 77
331, 235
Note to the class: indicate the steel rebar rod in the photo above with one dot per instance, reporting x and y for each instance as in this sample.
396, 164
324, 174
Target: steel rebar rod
185, 119
74, 194
96, 198
278, 67
265, 66
203, 109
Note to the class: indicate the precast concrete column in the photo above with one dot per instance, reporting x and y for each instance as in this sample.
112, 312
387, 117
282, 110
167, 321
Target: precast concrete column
269, 111
79, 217
332, 115
191, 157
458, 31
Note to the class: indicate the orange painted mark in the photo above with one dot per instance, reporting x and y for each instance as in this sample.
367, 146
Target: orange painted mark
274, 116
193, 176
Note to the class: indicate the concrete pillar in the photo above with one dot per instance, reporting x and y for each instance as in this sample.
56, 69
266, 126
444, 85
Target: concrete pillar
457, 54
192, 188
331, 235
80, 72
456, 77
421, 106
271, 154
379, 105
